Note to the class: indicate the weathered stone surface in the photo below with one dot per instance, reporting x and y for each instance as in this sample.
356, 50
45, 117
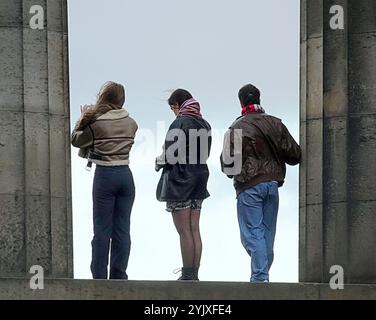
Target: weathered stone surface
12, 234
314, 70
11, 155
27, 4
62, 244
310, 235
35, 75
11, 87
362, 18
335, 236
334, 155
173, 290
361, 234
38, 231
338, 112
35, 187
10, 13
361, 164
312, 13
362, 72
37, 160
314, 165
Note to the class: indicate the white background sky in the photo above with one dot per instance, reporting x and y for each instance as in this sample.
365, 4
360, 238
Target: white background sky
211, 48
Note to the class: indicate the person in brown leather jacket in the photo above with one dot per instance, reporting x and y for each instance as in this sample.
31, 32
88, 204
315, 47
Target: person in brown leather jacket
256, 149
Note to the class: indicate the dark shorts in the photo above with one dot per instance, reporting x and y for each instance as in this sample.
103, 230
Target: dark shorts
180, 205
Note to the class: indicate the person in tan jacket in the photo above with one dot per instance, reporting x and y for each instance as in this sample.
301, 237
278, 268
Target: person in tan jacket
105, 134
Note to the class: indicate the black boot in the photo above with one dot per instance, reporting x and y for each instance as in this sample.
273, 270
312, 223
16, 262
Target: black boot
187, 274
195, 274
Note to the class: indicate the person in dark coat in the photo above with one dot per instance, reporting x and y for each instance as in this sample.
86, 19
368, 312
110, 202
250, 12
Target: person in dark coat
183, 183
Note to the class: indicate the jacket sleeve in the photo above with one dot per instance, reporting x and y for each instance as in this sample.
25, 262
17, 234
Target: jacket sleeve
175, 131
231, 156
289, 150
224, 158
82, 138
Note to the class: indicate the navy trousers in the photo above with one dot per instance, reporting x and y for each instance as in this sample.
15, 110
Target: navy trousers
113, 197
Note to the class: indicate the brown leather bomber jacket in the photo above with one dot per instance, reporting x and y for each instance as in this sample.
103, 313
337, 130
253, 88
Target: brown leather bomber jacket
266, 147
108, 140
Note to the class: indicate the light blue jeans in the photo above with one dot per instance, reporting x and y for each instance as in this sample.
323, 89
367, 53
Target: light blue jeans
257, 217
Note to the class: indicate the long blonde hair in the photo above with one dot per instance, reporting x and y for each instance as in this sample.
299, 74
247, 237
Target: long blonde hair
110, 97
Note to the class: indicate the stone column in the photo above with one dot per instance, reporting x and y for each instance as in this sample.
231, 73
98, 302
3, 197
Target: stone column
338, 139
35, 181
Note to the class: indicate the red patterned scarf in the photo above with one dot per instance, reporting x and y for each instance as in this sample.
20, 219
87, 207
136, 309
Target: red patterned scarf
252, 108
190, 108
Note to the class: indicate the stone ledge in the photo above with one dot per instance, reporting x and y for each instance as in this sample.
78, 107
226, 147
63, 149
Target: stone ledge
70, 289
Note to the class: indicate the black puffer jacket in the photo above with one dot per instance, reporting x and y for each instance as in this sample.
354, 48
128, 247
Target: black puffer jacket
266, 148
186, 179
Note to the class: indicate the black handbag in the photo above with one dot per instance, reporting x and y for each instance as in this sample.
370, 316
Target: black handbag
163, 184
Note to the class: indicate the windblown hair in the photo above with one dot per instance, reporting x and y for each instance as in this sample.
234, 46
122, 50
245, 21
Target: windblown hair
110, 97
178, 97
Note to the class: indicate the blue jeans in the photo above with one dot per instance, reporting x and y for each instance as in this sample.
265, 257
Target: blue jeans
113, 197
257, 217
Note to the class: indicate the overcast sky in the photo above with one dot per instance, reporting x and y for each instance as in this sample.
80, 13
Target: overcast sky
211, 48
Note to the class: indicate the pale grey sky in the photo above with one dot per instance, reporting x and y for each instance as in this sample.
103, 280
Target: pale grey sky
211, 48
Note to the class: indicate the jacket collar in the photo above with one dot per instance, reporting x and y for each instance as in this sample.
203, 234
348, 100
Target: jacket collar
114, 114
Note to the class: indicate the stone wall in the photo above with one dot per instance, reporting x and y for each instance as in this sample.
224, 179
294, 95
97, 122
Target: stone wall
35, 178
338, 139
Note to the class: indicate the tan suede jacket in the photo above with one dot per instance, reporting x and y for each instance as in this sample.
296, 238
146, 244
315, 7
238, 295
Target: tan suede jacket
108, 140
